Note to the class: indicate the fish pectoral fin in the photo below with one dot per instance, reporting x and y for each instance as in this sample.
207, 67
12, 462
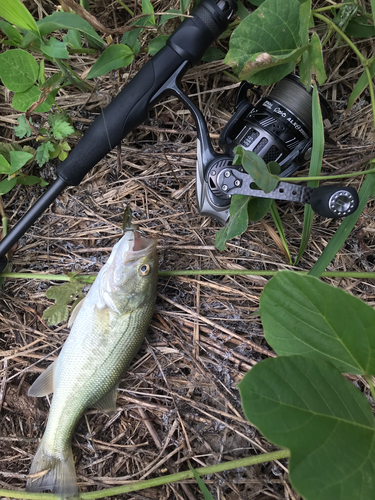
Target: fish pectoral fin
75, 312
43, 385
107, 403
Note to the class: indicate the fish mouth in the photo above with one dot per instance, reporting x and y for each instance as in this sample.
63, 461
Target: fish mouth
139, 245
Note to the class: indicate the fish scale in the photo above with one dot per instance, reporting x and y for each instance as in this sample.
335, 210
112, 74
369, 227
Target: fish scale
107, 332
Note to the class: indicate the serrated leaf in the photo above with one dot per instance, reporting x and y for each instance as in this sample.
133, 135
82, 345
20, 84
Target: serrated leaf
67, 20
256, 168
22, 129
65, 293
309, 407
43, 153
11, 32
302, 315
56, 314
60, 126
18, 70
114, 57
18, 159
256, 44
237, 223
157, 44
6, 185
16, 13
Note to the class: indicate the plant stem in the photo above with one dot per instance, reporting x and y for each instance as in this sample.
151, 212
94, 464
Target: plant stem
371, 89
126, 8
192, 272
329, 7
370, 383
158, 481
326, 177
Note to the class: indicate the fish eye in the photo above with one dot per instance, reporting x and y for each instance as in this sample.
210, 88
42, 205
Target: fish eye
144, 270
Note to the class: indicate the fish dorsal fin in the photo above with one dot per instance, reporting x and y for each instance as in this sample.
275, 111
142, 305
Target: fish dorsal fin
107, 403
43, 385
75, 312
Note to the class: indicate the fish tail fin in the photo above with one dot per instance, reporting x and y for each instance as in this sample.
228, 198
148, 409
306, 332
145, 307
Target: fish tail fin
53, 472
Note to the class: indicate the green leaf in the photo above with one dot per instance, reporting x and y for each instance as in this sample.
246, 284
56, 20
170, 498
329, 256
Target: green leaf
4, 165
316, 58
63, 294
259, 51
55, 49
18, 159
345, 228
147, 8
242, 12
43, 153
60, 126
171, 14
206, 494
308, 407
344, 15
302, 315
237, 223
67, 20
54, 82
16, 13
73, 39
156, 44
315, 168
213, 54
360, 28
6, 185
360, 86
14, 35
22, 129
184, 5
280, 229
256, 168
56, 314
114, 57
18, 70
23, 100
30, 180
257, 208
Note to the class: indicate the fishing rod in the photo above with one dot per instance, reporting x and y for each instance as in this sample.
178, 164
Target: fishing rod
277, 128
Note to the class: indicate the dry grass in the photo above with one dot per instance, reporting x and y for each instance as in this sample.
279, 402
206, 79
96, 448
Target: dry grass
179, 399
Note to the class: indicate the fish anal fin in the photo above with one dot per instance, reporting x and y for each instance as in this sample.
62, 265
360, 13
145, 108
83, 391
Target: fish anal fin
43, 385
75, 312
107, 403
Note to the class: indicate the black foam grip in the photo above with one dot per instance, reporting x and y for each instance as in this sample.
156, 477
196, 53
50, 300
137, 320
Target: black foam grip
346, 203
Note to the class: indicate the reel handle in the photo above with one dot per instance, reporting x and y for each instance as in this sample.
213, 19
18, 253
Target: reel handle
334, 202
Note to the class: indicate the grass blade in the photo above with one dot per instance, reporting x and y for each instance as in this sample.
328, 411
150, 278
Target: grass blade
279, 226
207, 495
345, 228
315, 167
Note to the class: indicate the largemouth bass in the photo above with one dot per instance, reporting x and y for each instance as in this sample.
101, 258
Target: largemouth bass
107, 332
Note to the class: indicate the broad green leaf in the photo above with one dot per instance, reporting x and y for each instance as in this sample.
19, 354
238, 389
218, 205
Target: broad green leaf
242, 12
316, 58
73, 39
56, 314
256, 45
315, 168
67, 20
11, 32
54, 82
205, 491
345, 228
22, 129
257, 208
255, 166
30, 180
237, 223
184, 5
156, 44
43, 153
4, 165
18, 70
23, 100
55, 49
344, 15
6, 185
147, 8
18, 159
302, 315
304, 14
16, 13
327, 424
360, 86
359, 28
114, 57
60, 126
